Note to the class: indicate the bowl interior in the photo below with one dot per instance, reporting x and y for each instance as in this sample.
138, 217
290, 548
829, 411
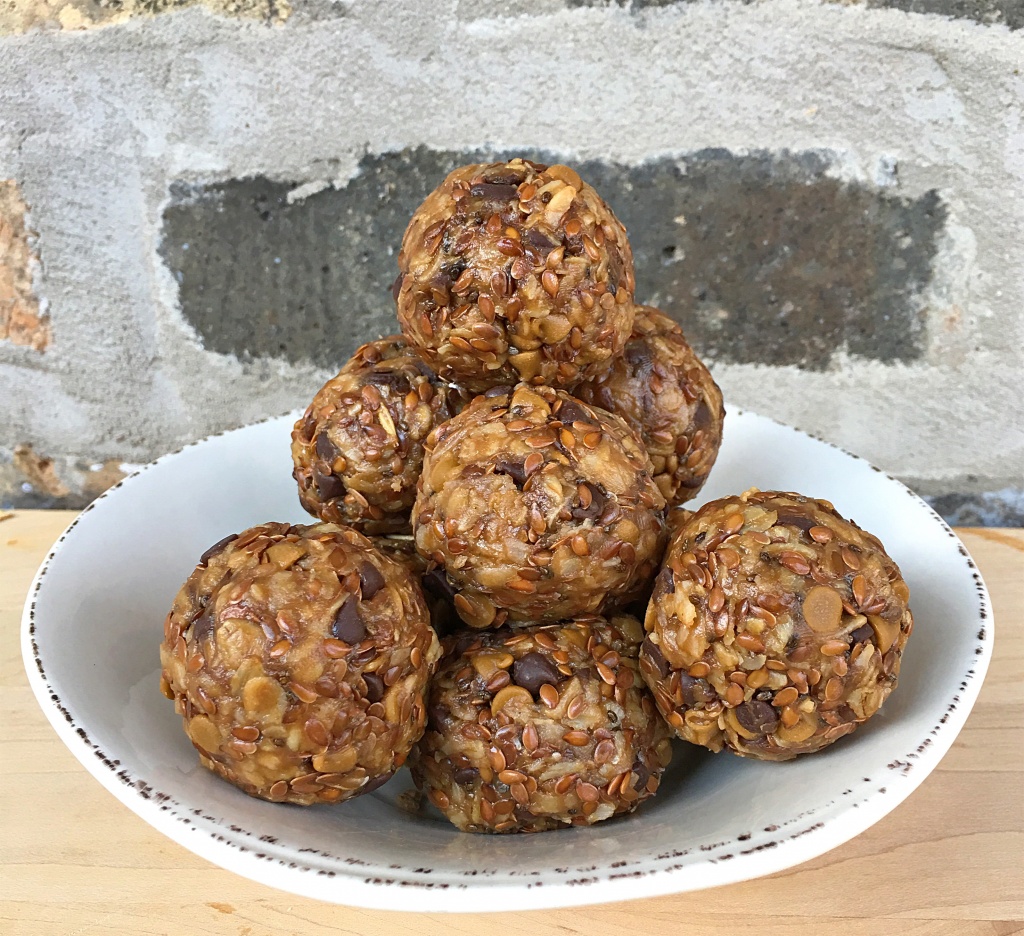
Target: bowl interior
94, 623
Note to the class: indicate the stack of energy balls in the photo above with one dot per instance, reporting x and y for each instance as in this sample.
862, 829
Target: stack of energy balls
508, 473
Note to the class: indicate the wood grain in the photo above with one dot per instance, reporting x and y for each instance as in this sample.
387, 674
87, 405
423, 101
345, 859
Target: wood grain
950, 860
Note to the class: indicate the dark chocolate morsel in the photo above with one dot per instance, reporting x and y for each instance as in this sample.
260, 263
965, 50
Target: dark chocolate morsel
494, 191
328, 486
465, 775
800, 521
571, 411
654, 654
514, 469
695, 691
862, 633
374, 687
347, 624
533, 671
436, 582
539, 241
387, 379
370, 581
216, 548
325, 448
757, 717
598, 500
437, 715
203, 625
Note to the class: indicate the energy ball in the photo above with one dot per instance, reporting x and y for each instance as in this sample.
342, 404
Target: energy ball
515, 272
298, 657
358, 448
668, 398
538, 507
541, 728
775, 627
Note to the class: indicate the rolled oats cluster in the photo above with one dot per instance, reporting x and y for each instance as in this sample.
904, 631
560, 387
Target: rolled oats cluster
538, 507
775, 627
541, 727
298, 657
516, 272
358, 448
519, 459
668, 398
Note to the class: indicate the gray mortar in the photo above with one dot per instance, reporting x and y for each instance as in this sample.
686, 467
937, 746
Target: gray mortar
761, 257
98, 126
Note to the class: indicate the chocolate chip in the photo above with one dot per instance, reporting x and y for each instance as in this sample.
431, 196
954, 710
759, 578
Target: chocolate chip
217, 548
846, 713
800, 521
370, 582
376, 783
642, 775
396, 286
654, 654
361, 657
695, 691
594, 510
465, 775
374, 687
533, 671
571, 411
204, 623
308, 427
387, 379
505, 176
325, 448
702, 418
436, 582
495, 191
347, 625
861, 634
638, 356
757, 717
437, 716
514, 469
538, 241
328, 487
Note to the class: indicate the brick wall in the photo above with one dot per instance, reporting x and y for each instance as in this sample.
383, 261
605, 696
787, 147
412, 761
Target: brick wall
200, 210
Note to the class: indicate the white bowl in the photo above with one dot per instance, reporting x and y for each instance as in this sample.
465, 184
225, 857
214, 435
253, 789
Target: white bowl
93, 623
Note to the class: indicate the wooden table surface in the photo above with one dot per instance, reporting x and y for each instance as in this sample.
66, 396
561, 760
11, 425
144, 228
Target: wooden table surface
950, 859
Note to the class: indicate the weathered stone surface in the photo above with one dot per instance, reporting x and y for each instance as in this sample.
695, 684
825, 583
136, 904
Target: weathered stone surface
31, 480
764, 258
18, 17
1009, 12
21, 321
96, 126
